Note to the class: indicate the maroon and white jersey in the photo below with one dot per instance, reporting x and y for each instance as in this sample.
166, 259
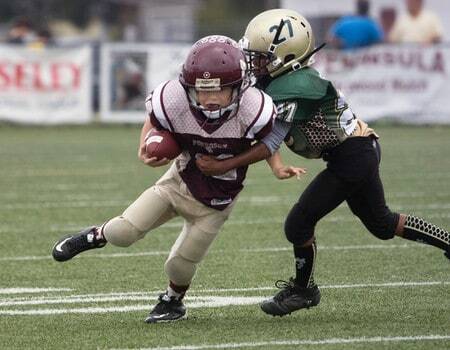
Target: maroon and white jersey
169, 109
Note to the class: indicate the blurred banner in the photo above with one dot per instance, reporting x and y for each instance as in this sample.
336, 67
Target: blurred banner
129, 72
403, 83
50, 86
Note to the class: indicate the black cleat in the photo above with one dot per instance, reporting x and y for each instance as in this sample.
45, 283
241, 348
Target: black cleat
69, 246
291, 298
447, 253
167, 310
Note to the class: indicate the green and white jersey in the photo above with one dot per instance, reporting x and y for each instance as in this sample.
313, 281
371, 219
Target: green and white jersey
320, 117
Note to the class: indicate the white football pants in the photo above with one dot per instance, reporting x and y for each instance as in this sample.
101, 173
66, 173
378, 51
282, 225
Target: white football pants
168, 198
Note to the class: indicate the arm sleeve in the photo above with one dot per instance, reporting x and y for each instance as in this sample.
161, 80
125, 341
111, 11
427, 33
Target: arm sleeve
275, 138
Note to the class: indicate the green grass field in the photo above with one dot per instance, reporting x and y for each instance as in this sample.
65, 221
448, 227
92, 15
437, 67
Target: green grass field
375, 294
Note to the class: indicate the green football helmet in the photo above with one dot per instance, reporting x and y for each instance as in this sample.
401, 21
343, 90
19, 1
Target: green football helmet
277, 41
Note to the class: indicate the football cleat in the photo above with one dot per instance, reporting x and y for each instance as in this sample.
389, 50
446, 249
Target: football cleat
69, 246
291, 298
167, 310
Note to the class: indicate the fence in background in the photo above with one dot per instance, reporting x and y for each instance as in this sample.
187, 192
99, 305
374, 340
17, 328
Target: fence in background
59, 85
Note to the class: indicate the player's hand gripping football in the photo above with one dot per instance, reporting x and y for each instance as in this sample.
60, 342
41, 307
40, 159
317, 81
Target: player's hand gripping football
151, 161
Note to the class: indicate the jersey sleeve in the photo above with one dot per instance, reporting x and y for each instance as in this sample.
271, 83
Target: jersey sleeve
262, 123
266, 129
155, 122
148, 104
150, 114
156, 109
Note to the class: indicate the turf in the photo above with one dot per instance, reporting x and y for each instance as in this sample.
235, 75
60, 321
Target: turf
375, 294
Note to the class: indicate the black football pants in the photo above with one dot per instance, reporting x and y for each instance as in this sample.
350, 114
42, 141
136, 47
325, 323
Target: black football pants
352, 176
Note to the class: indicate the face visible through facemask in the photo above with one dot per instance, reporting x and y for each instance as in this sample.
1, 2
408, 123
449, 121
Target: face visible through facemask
215, 103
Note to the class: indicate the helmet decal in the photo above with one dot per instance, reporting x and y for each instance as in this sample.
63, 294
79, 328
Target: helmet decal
277, 41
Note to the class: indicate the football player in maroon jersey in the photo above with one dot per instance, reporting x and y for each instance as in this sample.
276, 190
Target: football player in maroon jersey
210, 109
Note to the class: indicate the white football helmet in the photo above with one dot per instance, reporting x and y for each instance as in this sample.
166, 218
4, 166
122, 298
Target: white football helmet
278, 40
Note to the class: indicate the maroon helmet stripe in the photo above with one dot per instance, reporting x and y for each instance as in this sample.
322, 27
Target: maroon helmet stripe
257, 115
161, 101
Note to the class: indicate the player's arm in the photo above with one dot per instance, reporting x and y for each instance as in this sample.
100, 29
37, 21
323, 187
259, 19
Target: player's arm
144, 131
259, 151
212, 166
282, 171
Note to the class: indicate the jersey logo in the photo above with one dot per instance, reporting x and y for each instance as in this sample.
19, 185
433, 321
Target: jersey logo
218, 201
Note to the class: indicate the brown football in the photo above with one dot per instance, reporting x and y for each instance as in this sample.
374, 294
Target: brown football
161, 144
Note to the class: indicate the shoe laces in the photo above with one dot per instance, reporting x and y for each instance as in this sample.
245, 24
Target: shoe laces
166, 304
79, 242
287, 288
164, 298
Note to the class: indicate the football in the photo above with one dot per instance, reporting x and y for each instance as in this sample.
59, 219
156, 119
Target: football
161, 144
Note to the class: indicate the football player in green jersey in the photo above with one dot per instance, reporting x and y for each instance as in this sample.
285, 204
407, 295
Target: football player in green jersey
315, 121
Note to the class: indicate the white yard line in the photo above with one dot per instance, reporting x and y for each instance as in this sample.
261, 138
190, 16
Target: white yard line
139, 296
192, 302
246, 250
32, 290
330, 341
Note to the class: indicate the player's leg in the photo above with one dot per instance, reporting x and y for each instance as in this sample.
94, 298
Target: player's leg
417, 229
322, 195
148, 211
191, 246
369, 205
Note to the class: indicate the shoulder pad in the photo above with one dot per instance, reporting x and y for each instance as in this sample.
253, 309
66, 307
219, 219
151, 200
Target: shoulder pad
169, 101
304, 83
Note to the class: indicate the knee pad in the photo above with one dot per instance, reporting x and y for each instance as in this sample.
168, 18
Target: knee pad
299, 225
383, 228
120, 232
381, 233
180, 271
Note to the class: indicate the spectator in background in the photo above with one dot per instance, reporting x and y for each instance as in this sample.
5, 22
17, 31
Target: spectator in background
388, 16
42, 39
417, 26
354, 31
21, 32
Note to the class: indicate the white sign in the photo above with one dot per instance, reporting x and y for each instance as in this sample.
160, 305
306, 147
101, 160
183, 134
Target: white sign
48, 86
407, 83
129, 72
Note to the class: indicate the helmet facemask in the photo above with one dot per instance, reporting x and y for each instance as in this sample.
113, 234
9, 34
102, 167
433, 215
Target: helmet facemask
213, 115
257, 61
